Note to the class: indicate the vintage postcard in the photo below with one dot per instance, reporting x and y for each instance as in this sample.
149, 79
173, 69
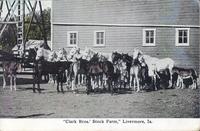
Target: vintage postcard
100, 65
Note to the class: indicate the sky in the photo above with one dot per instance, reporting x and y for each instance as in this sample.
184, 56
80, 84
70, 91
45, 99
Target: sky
45, 4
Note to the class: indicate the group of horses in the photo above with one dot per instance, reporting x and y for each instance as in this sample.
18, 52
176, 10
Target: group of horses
109, 71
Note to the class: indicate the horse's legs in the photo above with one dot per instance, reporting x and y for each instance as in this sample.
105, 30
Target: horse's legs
34, 81
154, 80
92, 82
11, 81
79, 79
138, 85
130, 81
62, 87
134, 84
4, 81
15, 77
38, 82
58, 86
170, 81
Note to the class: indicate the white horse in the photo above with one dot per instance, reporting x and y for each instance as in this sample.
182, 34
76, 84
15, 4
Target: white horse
73, 56
43, 53
88, 53
155, 65
134, 76
62, 55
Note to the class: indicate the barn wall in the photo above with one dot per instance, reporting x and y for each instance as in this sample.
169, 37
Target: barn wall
126, 11
125, 39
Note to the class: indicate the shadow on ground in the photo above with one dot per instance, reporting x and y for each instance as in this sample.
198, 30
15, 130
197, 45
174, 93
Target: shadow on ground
21, 81
28, 116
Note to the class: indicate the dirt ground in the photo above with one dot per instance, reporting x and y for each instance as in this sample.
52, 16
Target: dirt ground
23, 103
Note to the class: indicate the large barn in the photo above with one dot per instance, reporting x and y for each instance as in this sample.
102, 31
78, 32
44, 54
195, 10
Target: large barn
160, 28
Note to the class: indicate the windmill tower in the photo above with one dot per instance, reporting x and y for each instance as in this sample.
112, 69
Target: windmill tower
16, 11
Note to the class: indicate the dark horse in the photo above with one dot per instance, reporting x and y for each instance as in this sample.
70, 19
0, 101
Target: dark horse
97, 69
43, 67
129, 60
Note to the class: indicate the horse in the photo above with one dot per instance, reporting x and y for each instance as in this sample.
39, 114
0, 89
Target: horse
184, 77
10, 65
78, 66
95, 71
155, 65
10, 69
152, 72
100, 73
44, 67
129, 62
134, 75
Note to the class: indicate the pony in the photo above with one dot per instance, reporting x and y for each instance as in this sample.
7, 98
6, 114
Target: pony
184, 77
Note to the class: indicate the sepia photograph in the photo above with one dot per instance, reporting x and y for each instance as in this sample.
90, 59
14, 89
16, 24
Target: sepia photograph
99, 59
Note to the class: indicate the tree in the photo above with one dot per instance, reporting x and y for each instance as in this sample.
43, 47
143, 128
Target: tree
35, 32
9, 37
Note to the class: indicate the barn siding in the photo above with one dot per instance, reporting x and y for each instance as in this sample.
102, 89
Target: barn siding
183, 12
132, 38
125, 39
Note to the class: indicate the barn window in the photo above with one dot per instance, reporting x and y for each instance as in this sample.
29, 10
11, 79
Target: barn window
182, 36
99, 38
72, 38
149, 37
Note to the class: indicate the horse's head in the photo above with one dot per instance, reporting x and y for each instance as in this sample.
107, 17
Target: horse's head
39, 54
102, 58
52, 56
137, 53
62, 54
94, 59
116, 56
73, 52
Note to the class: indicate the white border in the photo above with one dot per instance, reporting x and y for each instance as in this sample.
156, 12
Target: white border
144, 37
104, 37
188, 34
68, 39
